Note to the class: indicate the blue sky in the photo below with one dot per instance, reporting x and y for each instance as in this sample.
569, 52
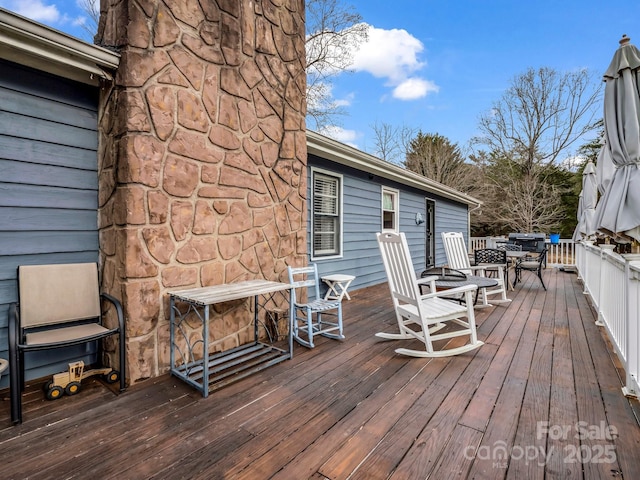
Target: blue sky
438, 65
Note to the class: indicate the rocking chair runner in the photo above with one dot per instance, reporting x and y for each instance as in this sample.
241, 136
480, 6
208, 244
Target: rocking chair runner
458, 258
420, 316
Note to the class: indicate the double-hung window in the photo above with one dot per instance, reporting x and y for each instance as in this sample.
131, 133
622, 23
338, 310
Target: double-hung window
390, 209
326, 197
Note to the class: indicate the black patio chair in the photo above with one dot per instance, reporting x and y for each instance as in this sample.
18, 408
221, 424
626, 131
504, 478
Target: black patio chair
532, 264
512, 247
493, 256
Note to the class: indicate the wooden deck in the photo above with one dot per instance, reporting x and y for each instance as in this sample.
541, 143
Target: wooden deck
541, 399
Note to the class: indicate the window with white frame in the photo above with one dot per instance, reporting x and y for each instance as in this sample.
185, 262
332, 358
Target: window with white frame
326, 198
390, 209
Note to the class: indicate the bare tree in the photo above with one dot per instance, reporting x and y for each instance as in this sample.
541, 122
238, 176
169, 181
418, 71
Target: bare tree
334, 32
435, 157
520, 201
92, 9
541, 115
528, 131
391, 143
529, 205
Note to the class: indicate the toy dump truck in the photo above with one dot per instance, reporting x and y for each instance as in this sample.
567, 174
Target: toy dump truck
69, 382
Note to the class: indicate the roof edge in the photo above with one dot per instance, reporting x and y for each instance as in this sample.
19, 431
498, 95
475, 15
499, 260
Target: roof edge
343, 154
35, 45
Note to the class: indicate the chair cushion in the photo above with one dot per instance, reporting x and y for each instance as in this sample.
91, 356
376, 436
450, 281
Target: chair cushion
529, 265
66, 334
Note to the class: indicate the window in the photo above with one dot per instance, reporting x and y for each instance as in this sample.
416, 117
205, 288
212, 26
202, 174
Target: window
389, 209
327, 216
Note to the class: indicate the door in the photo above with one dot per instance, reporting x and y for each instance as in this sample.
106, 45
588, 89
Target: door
430, 237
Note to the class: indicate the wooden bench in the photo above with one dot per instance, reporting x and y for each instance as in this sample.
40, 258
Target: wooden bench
59, 306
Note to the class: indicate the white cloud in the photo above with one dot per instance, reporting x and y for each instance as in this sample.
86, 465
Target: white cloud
34, 9
414, 88
341, 134
345, 101
395, 56
79, 21
391, 54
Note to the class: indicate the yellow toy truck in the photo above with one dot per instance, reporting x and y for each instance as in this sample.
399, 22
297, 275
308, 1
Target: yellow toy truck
69, 382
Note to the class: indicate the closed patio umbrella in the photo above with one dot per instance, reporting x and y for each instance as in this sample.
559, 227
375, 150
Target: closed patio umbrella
577, 234
618, 212
587, 204
604, 168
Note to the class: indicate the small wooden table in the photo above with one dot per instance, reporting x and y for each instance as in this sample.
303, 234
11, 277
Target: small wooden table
225, 367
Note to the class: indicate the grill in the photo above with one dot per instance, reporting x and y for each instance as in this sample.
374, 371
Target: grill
530, 242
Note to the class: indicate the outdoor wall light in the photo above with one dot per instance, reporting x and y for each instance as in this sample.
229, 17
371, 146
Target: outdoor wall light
419, 219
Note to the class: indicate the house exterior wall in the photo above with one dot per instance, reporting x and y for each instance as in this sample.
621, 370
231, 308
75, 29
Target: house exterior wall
202, 162
48, 188
362, 218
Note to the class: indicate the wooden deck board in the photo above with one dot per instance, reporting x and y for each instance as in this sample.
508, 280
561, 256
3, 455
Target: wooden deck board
593, 445
355, 409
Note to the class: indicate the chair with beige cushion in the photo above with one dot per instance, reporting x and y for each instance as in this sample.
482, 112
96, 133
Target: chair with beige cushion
59, 306
532, 264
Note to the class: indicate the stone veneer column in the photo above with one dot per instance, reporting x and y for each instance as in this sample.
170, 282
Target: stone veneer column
203, 156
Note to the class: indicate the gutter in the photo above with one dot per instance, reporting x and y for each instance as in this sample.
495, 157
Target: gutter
338, 152
34, 45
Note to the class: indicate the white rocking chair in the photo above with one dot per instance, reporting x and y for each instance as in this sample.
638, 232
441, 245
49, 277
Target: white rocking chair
420, 316
458, 259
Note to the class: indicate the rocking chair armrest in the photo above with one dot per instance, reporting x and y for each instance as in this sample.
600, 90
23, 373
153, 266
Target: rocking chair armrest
429, 279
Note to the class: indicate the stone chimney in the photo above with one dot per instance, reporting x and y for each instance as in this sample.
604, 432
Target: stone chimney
202, 158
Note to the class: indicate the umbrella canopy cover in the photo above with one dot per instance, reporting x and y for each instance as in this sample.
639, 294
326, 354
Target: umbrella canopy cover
604, 168
586, 227
618, 213
577, 233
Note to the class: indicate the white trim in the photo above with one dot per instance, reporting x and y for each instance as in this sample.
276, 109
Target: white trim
396, 209
340, 179
329, 149
32, 44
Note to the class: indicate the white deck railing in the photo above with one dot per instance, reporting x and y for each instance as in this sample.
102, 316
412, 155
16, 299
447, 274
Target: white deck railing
558, 254
613, 283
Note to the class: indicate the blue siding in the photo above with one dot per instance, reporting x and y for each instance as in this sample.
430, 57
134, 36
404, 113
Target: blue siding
48, 188
362, 219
